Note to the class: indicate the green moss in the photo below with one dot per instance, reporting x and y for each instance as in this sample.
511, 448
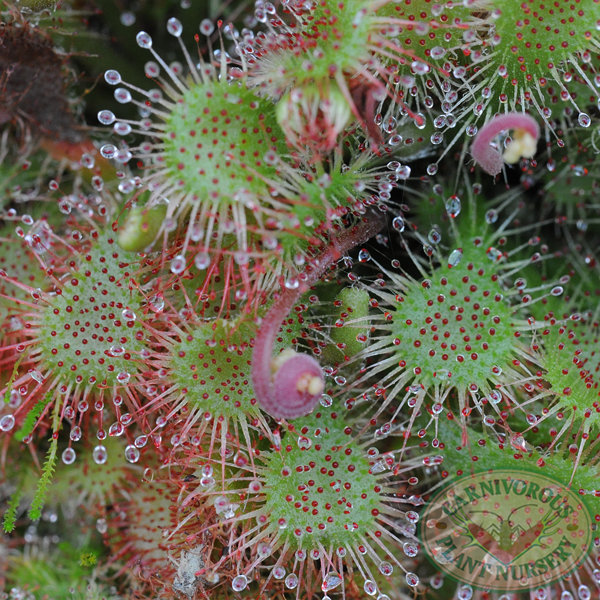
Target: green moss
59, 574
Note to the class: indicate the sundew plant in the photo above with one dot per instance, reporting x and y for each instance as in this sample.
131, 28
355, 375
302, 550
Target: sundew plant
299, 299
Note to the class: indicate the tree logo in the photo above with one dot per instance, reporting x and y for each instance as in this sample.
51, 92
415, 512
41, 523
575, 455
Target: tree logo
506, 530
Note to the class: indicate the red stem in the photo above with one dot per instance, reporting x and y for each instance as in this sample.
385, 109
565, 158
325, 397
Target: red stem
269, 329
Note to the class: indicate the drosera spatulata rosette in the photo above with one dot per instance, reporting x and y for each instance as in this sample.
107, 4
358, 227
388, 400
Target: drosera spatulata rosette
316, 508
530, 44
538, 57
220, 172
490, 452
570, 364
459, 329
198, 386
80, 343
338, 60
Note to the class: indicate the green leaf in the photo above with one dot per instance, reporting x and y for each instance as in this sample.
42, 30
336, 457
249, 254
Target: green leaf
35, 511
10, 516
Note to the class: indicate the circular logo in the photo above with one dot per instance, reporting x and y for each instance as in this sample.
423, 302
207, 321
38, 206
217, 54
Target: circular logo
505, 530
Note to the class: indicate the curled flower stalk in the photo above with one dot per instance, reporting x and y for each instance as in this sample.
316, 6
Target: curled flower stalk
290, 385
526, 133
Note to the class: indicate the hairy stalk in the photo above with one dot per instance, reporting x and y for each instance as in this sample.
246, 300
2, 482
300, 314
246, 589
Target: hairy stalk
290, 385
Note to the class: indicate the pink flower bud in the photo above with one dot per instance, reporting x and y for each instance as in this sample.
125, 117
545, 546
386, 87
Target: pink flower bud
524, 142
290, 385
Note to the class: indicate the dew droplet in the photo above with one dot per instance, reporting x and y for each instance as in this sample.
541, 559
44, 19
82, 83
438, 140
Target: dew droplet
202, 260
584, 120
304, 443
491, 216
129, 315
75, 434
121, 128
174, 27
370, 587
583, 591
455, 258
122, 96
108, 151
123, 378
112, 77
143, 40
132, 454
206, 27
438, 52
493, 254
68, 456
331, 581
141, 441
255, 486
403, 172
398, 224
127, 19
326, 400
434, 236
100, 455
178, 264
7, 422
127, 186
465, 592
495, 396
106, 117
116, 430
453, 206
241, 257
156, 303
291, 581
